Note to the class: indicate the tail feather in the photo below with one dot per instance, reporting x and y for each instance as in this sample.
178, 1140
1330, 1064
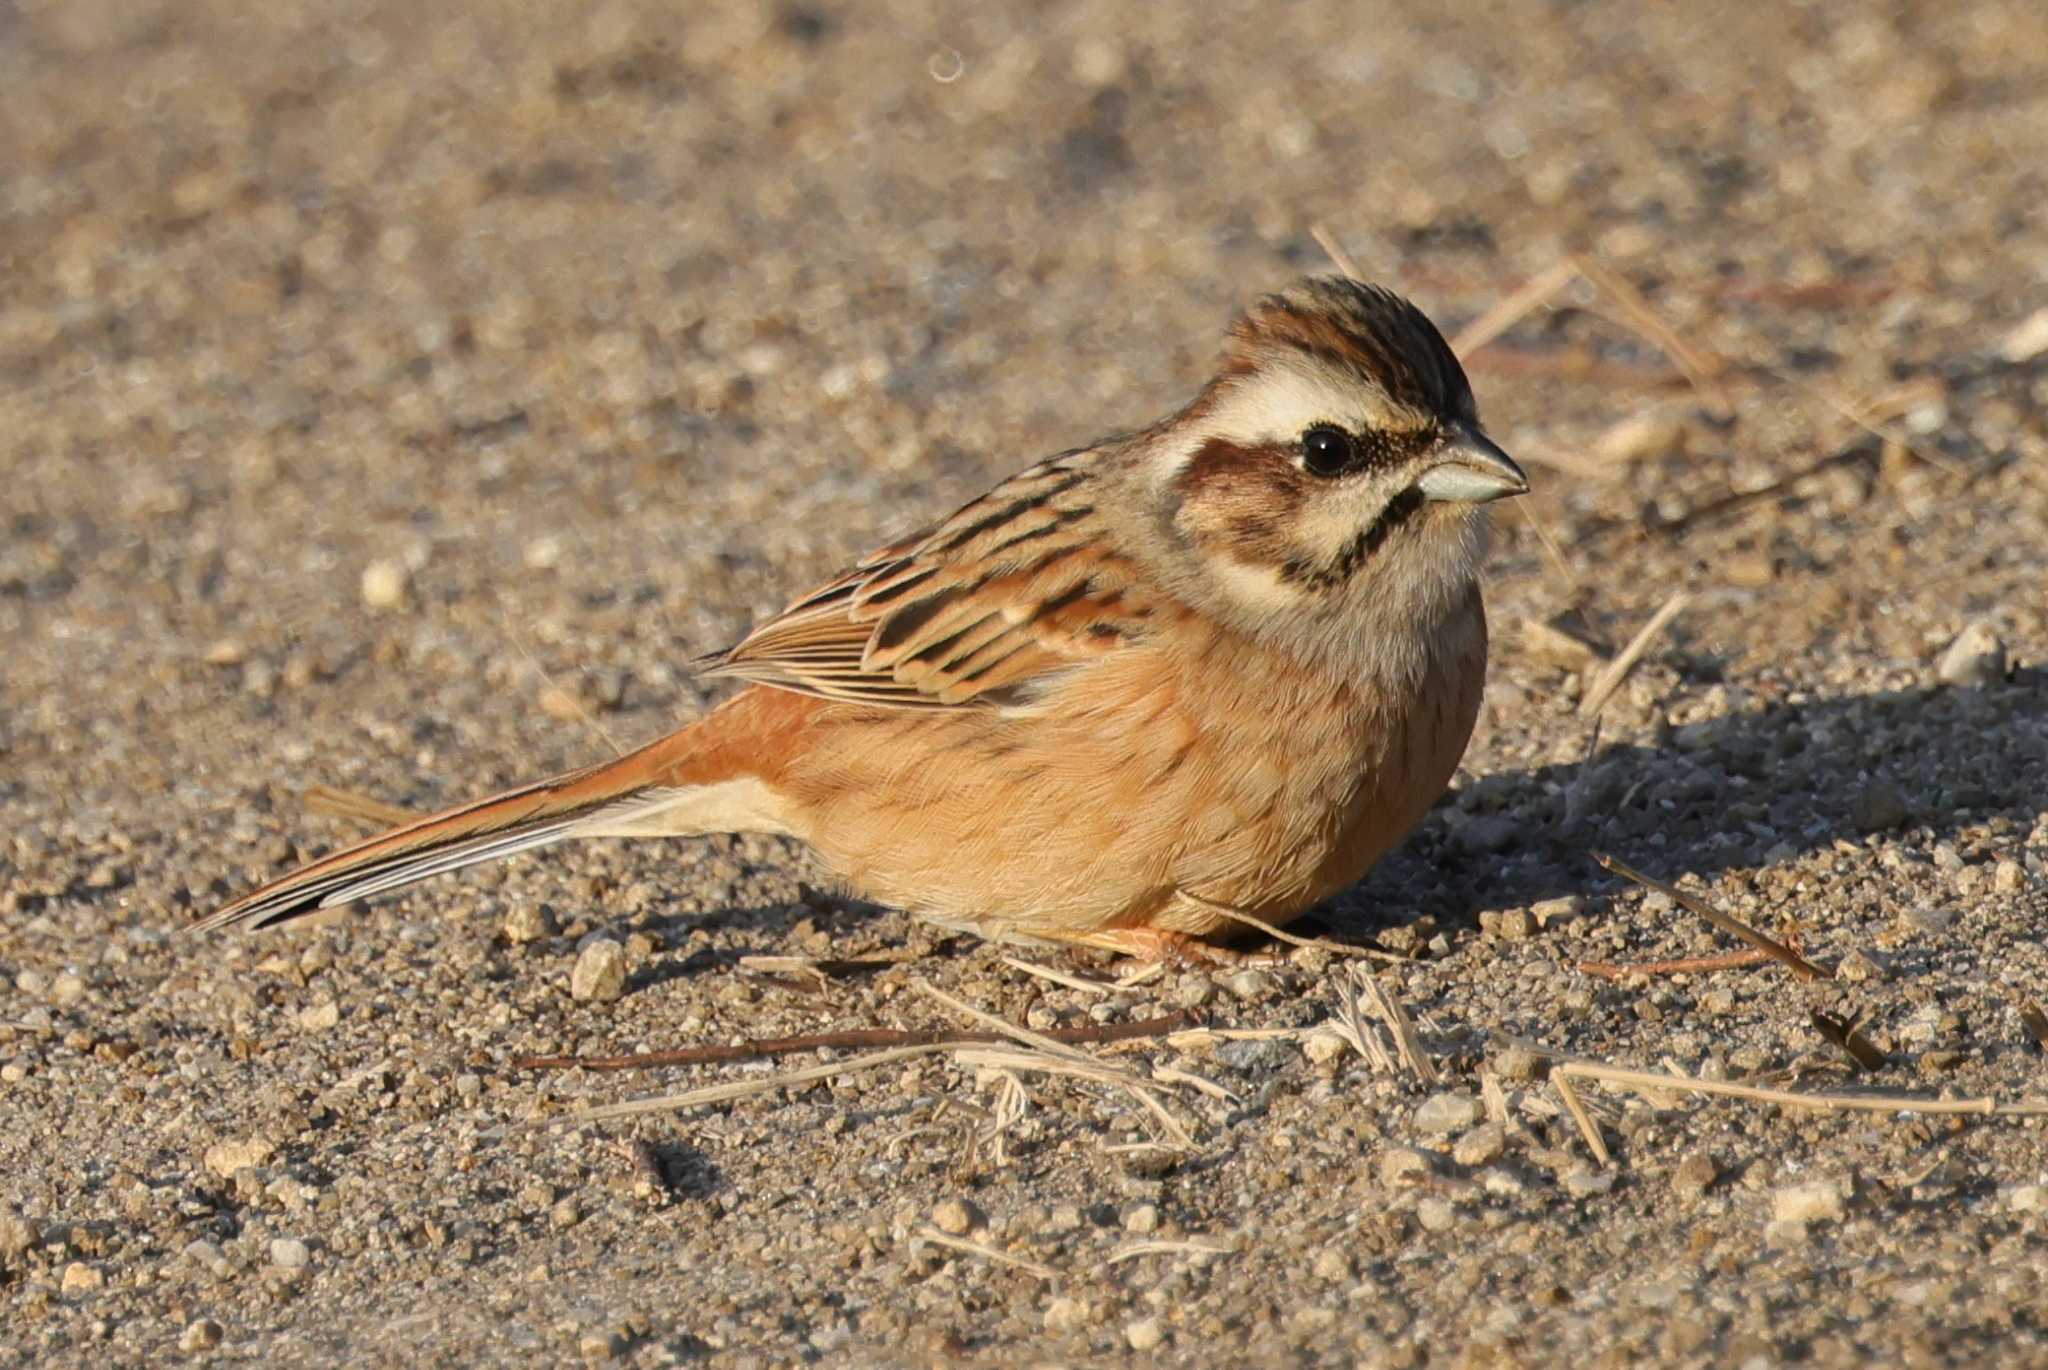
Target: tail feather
697, 780
537, 815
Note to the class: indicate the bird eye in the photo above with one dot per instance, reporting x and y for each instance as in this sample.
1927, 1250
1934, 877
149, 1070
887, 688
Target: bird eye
1326, 451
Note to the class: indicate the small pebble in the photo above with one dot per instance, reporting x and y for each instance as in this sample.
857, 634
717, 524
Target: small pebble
1583, 1182
955, 1217
1324, 1045
319, 1017
597, 1346
66, 990
1436, 1215
2028, 340
1879, 808
1066, 1314
2008, 877
600, 973
1520, 1064
1194, 990
17, 1235
529, 923
1975, 659
1442, 1114
288, 1253
1250, 984
1488, 835
1481, 1146
1817, 1201
1401, 1166
226, 652
1514, 925
1142, 1219
225, 1158
80, 1277
384, 584
201, 1335
565, 1214
208, 1257
2028, 1198
1694, 1176
1145, 1334
1334, 1264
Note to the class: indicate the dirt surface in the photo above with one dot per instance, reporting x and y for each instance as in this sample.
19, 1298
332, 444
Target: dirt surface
397, 398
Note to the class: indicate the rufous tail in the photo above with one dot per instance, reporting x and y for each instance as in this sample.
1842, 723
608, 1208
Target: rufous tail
645, 792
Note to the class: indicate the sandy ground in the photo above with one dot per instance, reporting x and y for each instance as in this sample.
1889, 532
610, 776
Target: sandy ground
396, 397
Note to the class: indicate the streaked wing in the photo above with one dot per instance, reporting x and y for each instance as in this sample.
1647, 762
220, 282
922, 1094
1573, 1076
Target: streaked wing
1018, 584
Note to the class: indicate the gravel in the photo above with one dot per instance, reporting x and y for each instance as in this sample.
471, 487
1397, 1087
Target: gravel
398, 399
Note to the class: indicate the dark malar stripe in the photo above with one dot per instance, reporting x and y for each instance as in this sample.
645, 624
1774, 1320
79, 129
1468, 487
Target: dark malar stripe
1360, 550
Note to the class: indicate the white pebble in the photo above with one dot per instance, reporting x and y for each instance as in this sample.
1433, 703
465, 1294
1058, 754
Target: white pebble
600, 973
1145, 1334
1818, 1201
384, 584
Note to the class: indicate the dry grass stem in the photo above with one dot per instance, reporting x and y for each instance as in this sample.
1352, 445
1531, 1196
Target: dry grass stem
1339, 258
987, 1253
1495, 1099
1734, 927
1701, 368
747, 1089
1291, 939
1058, 977
1648, 1080
1350, 1024
1512, 310
1201, 1084
1588, 1129
1617, 670
1004, 1027
1130, 1251
1871, 417
1396, 1018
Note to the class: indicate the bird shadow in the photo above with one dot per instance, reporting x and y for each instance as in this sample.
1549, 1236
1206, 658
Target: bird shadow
1739, 792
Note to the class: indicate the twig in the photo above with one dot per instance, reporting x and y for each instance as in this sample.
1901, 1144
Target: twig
987, 1253
765, 1047
1617, 670
1734, 927
1587, 1128
1684, 965
1868, 1103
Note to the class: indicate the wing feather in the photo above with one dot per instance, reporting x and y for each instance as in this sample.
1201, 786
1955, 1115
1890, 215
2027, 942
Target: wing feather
1015, 586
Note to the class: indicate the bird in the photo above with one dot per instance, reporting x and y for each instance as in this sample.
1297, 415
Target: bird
1206, 670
